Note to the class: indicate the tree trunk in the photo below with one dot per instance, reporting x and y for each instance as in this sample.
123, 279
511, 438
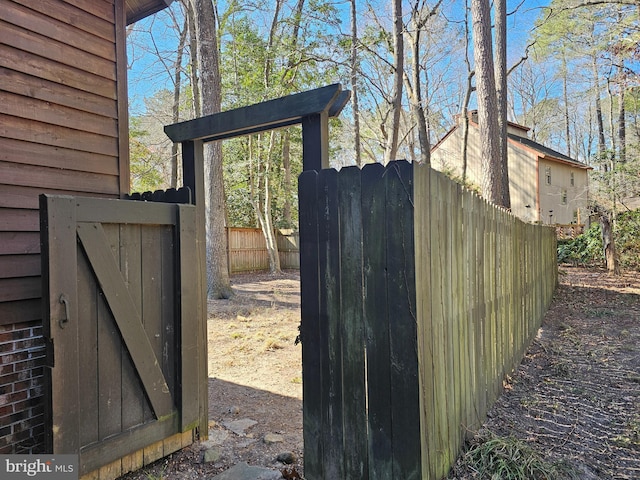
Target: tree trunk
267, 218
599, 121
177, 80
501, 97
622, 126
286, 166
414, 89
565, 97
487, 101
608, 244
354, 84
391, 149
467, 97
193, 49
218, 282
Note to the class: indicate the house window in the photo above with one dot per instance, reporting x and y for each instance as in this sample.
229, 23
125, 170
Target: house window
564, 197
547, 174
572, 180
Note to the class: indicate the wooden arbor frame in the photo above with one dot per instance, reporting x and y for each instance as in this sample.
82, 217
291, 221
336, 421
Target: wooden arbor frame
312, 109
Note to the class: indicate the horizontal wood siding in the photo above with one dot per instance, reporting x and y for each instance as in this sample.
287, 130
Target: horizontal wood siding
248, 250
59, 134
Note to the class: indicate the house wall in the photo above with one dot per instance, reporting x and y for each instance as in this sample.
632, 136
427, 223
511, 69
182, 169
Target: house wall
63, 127
522, 183
522, 172
526, 171
448, 156
552, 195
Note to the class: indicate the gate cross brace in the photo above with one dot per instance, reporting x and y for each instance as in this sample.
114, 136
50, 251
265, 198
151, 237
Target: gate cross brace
312, 109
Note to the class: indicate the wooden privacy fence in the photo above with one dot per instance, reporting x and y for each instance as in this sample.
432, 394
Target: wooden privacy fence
248, 249
417, 298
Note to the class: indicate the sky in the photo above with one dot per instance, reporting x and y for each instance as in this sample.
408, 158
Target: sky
147, 75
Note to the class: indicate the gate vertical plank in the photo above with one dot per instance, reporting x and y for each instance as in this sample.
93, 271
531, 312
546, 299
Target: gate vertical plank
168, 268
331, 350
351, 314
87, 351
310, 324
188, 359
401, 301
376, 323
59, 277
151, 252
132, 393
110, 349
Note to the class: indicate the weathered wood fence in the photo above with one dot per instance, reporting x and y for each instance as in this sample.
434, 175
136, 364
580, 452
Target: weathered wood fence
417, 298
248, 249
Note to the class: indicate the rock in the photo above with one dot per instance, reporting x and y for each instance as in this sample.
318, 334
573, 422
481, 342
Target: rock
239, 426
216, 437
212, 455
243, 471
287, 458
233, 410
245, 443
271, 438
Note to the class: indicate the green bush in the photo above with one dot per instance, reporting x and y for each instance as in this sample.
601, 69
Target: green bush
628, 239
586, 249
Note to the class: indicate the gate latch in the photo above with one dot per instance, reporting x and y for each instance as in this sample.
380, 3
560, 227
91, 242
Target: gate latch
63, 300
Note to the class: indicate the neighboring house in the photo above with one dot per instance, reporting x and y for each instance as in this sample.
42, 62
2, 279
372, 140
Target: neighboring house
545, 186
63, 130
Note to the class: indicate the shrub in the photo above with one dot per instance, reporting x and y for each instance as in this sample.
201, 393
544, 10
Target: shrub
586, 249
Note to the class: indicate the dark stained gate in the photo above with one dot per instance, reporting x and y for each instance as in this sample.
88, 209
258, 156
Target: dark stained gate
122, 325
359, 342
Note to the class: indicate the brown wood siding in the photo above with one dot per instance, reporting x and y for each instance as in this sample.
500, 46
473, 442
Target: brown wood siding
63, 130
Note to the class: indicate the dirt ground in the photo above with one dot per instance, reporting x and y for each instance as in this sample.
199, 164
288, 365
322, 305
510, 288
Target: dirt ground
575, 397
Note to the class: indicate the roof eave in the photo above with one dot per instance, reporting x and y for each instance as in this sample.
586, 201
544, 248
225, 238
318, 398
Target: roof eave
137, 10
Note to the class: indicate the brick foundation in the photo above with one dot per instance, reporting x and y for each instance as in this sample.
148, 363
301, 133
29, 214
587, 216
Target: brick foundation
22, 358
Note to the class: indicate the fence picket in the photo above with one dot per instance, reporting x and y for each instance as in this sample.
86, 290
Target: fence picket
405, 417
376, 324
354, 404
313, 401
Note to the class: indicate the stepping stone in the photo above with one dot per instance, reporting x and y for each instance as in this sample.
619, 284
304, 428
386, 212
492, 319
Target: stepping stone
239, 426
244, 471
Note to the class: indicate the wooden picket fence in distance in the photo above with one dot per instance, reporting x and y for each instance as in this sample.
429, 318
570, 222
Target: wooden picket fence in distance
418, 297
247, 249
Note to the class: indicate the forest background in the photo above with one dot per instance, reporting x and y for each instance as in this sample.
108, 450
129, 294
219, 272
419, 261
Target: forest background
572, 77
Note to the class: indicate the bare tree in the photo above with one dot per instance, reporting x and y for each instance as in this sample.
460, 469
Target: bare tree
487, 102
420, 15
218, 282
177, 83
501, 97
354, 83
391, 148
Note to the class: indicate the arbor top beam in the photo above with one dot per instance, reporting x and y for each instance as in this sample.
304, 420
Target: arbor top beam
269, 115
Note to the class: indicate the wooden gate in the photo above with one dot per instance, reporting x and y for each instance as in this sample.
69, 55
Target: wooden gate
359, 342
121, 324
